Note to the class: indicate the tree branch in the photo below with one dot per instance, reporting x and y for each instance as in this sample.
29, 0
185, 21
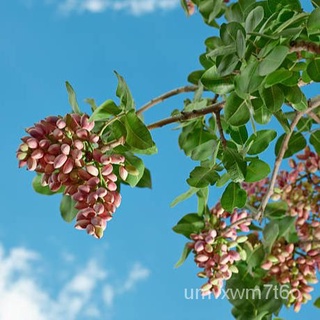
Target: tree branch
187, 115
165, 96
312, 104
221, 133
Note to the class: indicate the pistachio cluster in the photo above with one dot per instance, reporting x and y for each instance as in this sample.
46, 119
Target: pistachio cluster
69, 155
215, 248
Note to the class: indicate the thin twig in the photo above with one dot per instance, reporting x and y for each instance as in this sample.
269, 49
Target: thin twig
314, 117
313, 103
187, 115
221, 133
165, 96
249, 218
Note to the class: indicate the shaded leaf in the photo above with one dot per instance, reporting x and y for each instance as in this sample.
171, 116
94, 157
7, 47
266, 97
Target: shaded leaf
273, 60
313, 24
296, 143
67, 209
233, 197
39, 188
190, 223
254, 18
315, 140
313, 69
212, 81
134, 162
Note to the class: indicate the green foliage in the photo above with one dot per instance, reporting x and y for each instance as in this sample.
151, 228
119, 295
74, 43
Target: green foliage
39, 188
190, 223
233, 197
72, 98
68, 212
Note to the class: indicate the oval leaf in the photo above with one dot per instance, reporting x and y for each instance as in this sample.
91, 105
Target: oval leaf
67, 209
273, 60
257, 170
233, 197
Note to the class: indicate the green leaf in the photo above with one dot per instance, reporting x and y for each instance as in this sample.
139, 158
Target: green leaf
210, 9
201, 177
184, 256
313, 24
137, 163
270, 235
222, 50
261, 140
255, 255
183, 196
184, 6
124, 94
39, 188
145, 181
257, 170
104, 111
190, 223
273, 60
204, 150
72, 98
249, 79
313, 69
276, 210
229, 31
273, 98
317, 303
197, 142
91, 103
287, 228
262, 114
227, 64
223, 180
233, 197
234, 164
138, 135
296, 97
195, 76
296, 143
277, 76
241, 44
67, 209
254, 18
239, 134
212, 81
315, 140
236, 110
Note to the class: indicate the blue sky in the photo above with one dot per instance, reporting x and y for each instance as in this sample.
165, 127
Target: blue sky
49, 270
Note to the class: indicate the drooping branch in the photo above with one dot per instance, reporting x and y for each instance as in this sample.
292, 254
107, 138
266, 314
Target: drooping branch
312, 104
165, 96
183, 116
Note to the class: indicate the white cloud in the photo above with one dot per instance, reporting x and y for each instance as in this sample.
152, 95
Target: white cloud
87, 293
135, 7
137, 274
